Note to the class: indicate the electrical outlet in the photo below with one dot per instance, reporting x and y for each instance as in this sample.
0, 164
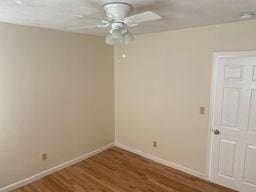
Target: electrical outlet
202, 110
154, 143
44, 156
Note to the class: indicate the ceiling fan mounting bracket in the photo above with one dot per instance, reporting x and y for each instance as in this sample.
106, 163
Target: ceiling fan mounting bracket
117, 24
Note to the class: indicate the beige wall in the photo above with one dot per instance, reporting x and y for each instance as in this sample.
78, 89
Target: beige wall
56, 96
161, 84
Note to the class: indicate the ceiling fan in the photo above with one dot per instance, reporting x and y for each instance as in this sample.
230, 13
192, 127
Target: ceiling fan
118, 19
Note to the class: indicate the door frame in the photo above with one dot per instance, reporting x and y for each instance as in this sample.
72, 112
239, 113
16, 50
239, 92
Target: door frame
216, 56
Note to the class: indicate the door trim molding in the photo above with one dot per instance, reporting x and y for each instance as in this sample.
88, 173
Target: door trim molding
216, 56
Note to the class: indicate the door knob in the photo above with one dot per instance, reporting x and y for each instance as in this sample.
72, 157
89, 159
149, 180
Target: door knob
216, 132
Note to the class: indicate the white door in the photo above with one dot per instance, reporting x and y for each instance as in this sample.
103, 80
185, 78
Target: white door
233, 158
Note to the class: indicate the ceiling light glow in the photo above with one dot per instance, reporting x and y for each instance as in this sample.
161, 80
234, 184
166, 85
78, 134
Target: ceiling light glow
19, 2
78, 15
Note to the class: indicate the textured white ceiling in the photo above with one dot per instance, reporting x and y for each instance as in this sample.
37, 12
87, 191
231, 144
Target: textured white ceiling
177, 14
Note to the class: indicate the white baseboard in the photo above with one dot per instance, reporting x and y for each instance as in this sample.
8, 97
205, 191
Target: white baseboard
162, 161
95, 152
54, 169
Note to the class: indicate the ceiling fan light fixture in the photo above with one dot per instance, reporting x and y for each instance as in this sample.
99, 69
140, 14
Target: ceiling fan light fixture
118, 18
128, 37
114, 39
119, 36
109, 40
116, 34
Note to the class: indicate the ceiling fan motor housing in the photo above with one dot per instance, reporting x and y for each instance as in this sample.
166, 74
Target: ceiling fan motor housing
116, 12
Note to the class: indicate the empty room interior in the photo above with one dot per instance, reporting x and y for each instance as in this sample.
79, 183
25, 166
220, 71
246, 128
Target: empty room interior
127, 96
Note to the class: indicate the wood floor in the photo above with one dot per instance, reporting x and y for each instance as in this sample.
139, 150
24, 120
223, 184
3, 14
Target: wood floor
116, 170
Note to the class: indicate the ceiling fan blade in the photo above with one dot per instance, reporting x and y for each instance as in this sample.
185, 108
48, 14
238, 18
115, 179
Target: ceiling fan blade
87, 27
142, 17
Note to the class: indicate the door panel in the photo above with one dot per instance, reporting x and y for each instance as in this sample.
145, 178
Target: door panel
252, 113
249, 175
254, 73
230, 107
227, 158
233, 72
234, 116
